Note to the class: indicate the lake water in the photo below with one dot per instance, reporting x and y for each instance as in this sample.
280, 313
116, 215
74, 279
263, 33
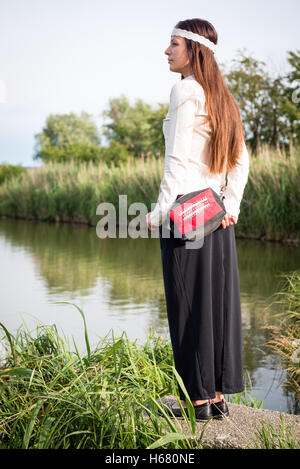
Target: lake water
118, 284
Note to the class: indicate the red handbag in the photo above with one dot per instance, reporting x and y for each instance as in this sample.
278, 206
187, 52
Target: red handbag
196, 214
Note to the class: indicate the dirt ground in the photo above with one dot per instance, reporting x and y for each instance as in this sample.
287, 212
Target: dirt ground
239, 429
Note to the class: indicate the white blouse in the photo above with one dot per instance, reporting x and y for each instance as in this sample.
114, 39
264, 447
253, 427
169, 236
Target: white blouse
186, 154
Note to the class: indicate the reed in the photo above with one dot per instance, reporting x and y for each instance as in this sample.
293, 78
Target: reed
54, 396
285, 337
271, 205
71, 192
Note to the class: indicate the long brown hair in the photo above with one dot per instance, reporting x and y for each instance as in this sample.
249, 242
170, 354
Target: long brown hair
227, 134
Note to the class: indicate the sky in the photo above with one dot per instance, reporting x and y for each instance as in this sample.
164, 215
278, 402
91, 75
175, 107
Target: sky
62, 56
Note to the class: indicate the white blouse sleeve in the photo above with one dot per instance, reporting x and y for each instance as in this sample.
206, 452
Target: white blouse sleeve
236, 182
182, 111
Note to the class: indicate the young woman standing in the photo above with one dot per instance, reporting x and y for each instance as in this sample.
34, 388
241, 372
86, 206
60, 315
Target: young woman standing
203, 136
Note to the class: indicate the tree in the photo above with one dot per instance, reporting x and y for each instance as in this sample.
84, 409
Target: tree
274, 129
290, 107
138, 127
269, 106
248, 82
62, 130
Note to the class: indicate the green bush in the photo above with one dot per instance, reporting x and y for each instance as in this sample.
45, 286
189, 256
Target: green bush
8, 171
115, 154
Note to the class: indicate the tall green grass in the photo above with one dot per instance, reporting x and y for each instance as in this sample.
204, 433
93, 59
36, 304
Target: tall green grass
271, 204
285, 337
278, 436
71, 191
54, 396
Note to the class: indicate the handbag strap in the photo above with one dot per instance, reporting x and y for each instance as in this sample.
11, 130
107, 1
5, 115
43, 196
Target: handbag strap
222, 189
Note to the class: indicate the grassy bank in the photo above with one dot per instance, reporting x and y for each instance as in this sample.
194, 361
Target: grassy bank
285, 338
54, 396
70, 192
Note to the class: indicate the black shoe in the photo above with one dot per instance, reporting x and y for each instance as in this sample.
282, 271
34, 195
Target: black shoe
220, 409
203, 412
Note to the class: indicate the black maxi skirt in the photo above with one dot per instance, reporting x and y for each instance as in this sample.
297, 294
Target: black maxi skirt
204, 313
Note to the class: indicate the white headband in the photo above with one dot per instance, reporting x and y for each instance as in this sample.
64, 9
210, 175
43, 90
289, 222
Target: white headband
194, 37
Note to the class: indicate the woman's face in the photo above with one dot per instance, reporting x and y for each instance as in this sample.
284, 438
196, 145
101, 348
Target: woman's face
178, 56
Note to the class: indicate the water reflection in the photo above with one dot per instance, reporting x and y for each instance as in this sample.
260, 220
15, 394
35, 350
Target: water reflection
118, 283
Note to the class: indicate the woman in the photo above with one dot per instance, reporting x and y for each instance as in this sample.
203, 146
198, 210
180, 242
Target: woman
203, 136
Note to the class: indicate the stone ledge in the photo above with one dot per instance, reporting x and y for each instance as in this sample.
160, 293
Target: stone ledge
238, 430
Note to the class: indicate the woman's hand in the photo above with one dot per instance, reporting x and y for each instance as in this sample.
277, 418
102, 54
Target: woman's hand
228, 220
148, 221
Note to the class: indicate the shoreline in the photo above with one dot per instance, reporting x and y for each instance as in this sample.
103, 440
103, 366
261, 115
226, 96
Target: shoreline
293, 242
